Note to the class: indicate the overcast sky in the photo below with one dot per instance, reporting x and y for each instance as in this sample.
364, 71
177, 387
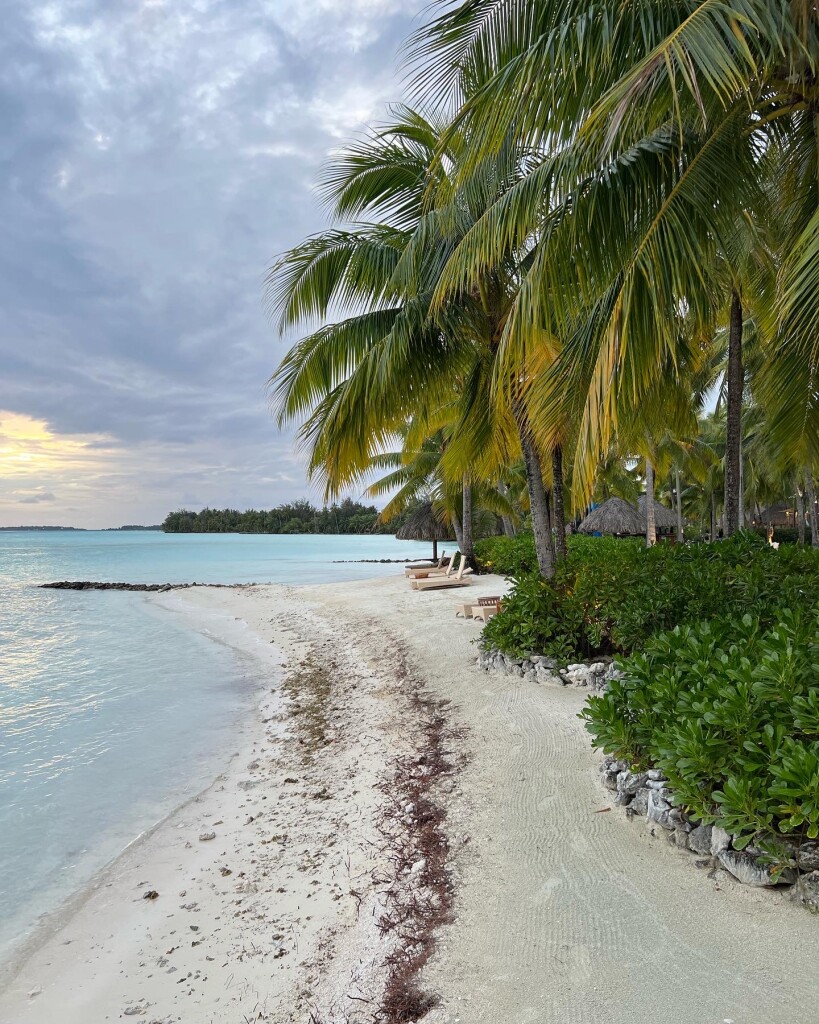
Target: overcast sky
156, 155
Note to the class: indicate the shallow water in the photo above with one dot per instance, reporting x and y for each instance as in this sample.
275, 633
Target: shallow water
112, 709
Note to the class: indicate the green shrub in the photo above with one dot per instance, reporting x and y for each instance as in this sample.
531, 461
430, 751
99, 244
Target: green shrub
611, 596
781, 534
535, 618
729, 711
508, 556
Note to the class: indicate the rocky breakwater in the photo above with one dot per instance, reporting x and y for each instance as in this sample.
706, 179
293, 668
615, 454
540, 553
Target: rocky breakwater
149, 587
779, 862
538, 668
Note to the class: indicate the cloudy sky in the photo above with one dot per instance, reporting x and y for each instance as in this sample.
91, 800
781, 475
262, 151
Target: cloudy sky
156, 154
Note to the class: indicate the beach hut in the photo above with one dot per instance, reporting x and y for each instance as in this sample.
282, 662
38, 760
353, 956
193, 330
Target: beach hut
615, 517
781, 513
665, 521
424, 524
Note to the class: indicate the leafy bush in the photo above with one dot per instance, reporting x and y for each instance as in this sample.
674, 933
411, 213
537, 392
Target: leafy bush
611, 596
508, 556
729, 711
535, 618
781, 534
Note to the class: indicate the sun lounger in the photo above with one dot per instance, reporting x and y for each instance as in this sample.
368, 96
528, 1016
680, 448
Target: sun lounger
467, 610
440, 582
422, 574
416, 571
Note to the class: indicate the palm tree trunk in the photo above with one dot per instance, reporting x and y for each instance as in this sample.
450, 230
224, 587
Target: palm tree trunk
713, 516
741, 509
810, 493
800, 513
468, 547
538, 499
651, 529
557, 503
733, 439
678, 502
459, 533
508, 525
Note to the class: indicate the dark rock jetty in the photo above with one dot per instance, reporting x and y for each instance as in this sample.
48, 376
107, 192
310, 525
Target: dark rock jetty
90, 585
379, 561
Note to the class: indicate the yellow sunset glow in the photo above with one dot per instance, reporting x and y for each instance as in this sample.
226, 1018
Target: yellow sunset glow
29, 448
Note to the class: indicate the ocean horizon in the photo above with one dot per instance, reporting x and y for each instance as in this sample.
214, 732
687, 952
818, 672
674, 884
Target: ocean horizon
114, 709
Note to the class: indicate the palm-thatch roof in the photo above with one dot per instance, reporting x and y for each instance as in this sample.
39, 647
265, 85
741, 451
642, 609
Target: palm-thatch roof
664, 518
616, 517
424, 524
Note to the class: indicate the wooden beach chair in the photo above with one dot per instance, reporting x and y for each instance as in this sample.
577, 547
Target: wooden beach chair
415, 571
468, 610
422, 574
440, 582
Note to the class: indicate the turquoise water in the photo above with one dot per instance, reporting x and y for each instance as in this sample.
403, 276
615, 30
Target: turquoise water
34, 557
114, 710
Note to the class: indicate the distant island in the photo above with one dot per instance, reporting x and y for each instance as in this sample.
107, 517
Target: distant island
74, 529
78, 529
131, 527
297, 517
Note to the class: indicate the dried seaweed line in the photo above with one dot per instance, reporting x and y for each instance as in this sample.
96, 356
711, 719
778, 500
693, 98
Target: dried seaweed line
420, 897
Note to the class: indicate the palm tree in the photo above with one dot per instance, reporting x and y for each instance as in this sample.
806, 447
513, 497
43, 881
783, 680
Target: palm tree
407, 356
415, 477
686, 120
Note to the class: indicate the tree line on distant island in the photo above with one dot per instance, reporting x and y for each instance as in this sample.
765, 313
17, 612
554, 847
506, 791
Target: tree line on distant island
347, 516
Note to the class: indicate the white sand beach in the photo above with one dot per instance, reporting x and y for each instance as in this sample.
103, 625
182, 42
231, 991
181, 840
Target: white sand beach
279, 887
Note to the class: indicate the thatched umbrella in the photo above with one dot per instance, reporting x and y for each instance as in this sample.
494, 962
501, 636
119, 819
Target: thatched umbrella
616, 517
664, 518
424, 524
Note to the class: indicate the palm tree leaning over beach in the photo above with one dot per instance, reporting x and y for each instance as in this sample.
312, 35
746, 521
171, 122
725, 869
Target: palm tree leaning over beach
406, 357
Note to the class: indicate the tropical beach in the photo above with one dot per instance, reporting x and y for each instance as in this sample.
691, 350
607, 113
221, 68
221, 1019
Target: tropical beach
560, 911
409, 538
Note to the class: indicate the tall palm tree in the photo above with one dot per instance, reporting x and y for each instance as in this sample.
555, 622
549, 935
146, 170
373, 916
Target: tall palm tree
406, 357
684, 120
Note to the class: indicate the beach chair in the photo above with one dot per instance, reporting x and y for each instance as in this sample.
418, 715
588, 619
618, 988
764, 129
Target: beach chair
467, 610
414, 571
440, 582
421, 574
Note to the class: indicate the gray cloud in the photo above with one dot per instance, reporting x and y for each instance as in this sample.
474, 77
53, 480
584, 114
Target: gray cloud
156, 156
37, 499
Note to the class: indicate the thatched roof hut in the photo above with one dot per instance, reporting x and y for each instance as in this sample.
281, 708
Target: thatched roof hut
664, 519
781, 513
615, 517
424, 524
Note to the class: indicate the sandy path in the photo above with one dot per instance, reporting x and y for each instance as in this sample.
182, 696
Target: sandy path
565, 915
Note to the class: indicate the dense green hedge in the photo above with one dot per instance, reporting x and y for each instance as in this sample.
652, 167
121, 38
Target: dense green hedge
729, 711
507, 556
611, 596
723, 695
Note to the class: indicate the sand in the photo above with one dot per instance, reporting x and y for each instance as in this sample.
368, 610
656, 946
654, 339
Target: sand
563, 912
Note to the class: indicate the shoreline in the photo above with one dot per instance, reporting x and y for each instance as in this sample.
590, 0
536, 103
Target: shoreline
551, 911
110, 952
244, 732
